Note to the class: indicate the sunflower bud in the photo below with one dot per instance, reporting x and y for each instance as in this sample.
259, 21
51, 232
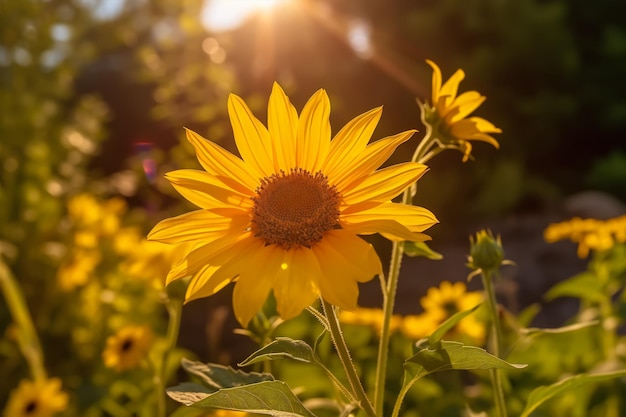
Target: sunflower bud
486, 252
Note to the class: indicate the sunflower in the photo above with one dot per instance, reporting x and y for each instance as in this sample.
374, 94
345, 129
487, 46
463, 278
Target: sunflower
36, 399
447, 114
450, 298
126, 348
285, 216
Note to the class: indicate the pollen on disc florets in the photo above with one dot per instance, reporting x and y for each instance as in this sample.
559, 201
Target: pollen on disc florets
294, 209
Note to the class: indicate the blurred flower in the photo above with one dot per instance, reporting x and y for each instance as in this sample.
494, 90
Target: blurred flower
448, 114
370, 317
286, 216
77, 271
442, 303
101, 217
125, 349
36, 399
486, 251
152, 261
590, 234
419, 326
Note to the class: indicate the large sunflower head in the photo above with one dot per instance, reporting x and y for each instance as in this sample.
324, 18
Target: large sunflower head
37, 399
448, 113
284, 217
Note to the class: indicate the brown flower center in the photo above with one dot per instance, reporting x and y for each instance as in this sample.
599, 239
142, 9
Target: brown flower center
127, 345
294, 209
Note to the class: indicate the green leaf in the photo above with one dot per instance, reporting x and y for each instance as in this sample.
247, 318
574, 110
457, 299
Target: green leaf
584, 285
450, 323
272, 398
535, 331
448, 355
282, 348
413, 249
216, 376
541, 394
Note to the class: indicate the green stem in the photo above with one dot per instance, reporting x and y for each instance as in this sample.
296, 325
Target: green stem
174, 310
346, 361
496, 344
388, 303
422, 155
27, 336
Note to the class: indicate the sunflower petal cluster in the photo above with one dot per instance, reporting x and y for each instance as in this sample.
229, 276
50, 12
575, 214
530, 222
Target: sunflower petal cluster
448, 114
285, 217
589, 234
37, 399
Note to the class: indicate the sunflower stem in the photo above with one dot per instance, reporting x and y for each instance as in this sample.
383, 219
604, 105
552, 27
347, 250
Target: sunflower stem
26, 335
496, 342
174, 309
422, 155
346, 360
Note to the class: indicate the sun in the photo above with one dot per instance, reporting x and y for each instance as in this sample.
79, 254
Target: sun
223, 15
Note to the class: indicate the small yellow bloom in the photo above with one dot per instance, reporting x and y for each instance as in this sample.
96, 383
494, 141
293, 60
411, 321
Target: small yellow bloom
36, 399
370, 317
448, 113
77, 271
126, 349
589, 234
285, 217
419, 326
450, 298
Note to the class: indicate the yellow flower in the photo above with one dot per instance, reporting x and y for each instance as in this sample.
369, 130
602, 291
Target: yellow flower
125, 349
448, 114
419, 326
371, 317
77, 271
450, 298
590, 234
285, 217
36, 399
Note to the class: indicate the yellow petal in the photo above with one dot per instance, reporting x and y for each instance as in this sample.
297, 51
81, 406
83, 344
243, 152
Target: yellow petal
463, 108
198, 225
218, 161
436, 81
363, 164
351, 140
313, 135
385, 184
256, 277
344, 259
348, 251
390, 229
206, 191
201, 285
216, 252
450, 87
414, 218
485, 126
295, 277
251, 137
282, 122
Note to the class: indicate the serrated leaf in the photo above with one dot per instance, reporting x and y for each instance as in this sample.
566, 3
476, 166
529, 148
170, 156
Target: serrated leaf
413, 249
282, 348
272, 398
541, 394
448, 355
448, 324
216, 376
584, 285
